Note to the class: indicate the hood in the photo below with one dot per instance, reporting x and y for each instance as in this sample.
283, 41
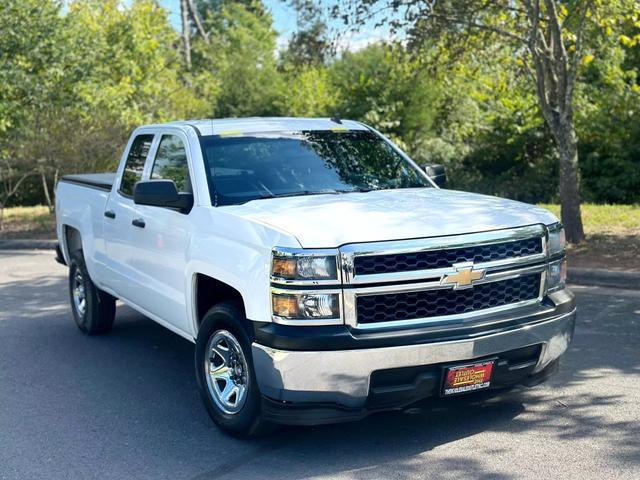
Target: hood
332, 220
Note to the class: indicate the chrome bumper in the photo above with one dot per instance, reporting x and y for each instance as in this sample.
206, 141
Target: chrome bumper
342, 376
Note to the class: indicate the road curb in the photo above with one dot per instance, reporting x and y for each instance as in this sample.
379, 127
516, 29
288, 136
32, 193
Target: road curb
604, 278
27, 244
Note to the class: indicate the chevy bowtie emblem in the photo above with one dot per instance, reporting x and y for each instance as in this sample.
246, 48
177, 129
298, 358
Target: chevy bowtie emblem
464, 277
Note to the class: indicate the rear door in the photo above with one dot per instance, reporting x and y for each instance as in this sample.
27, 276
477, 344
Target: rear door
119, 215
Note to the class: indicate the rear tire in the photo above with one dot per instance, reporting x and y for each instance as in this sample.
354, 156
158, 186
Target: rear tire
93, 310
225, 373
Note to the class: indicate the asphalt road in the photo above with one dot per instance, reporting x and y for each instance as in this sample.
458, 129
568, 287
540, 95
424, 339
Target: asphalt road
126, 406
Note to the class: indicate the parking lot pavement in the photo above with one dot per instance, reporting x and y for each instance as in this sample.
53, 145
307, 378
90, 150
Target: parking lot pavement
125, 406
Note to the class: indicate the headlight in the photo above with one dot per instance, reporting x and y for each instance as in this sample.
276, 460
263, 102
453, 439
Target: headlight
289, 266
307, 269
556, 275
557, 241
306, 306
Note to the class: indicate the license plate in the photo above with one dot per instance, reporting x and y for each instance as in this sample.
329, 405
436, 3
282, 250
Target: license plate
467, 378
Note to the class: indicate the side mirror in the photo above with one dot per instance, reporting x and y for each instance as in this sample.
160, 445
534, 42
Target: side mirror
437, 173
162, 193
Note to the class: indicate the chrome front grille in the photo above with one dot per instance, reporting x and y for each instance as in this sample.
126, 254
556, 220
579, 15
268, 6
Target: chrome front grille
432, 259
443, 279
425, 304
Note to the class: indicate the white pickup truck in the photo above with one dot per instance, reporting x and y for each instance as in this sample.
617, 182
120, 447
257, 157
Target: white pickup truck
321, 273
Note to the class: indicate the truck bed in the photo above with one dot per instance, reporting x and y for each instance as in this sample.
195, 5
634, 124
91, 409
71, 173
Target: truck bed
102, 181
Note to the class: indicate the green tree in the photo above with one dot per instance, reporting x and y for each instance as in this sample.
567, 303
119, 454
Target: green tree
607, 109
309, 45
239, 55
310, 93
77, 81
34, 87
130, 66
382, 86
547, 35
32, 47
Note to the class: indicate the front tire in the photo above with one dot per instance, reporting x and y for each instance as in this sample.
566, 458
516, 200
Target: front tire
93, 309
225, 373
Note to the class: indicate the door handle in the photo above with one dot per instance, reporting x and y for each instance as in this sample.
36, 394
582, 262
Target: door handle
110, 214
138, 222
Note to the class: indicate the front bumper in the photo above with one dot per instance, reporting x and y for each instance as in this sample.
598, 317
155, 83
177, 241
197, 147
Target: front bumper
342, 377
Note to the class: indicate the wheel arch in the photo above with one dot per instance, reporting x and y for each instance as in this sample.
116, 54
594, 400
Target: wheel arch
209, 291
72, 241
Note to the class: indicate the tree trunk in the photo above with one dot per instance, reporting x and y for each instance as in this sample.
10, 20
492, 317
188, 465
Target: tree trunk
9, 189
569, 183
45, 189
186, 34
55, 185
195, 16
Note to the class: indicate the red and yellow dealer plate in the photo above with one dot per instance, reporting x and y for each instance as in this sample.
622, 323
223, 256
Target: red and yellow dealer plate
467, 378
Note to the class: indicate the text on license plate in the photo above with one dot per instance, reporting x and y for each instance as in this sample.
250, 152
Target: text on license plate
467, 378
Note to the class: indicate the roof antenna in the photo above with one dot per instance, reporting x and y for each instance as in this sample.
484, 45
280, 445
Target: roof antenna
336, 119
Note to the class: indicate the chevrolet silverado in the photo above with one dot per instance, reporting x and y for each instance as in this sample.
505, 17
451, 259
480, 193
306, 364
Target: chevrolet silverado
321, 273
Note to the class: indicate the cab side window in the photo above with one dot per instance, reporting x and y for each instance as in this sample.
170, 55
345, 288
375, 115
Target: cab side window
135, 163
171, 163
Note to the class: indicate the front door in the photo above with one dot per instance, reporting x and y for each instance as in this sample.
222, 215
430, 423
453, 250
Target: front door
161, 241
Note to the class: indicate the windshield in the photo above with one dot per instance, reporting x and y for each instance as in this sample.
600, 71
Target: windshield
278, 164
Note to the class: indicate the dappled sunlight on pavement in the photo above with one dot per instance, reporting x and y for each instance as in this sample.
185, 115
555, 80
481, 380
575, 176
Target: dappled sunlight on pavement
129, 403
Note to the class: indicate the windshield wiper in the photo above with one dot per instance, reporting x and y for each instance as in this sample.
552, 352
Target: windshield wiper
358, 190
302, 193
299, 193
